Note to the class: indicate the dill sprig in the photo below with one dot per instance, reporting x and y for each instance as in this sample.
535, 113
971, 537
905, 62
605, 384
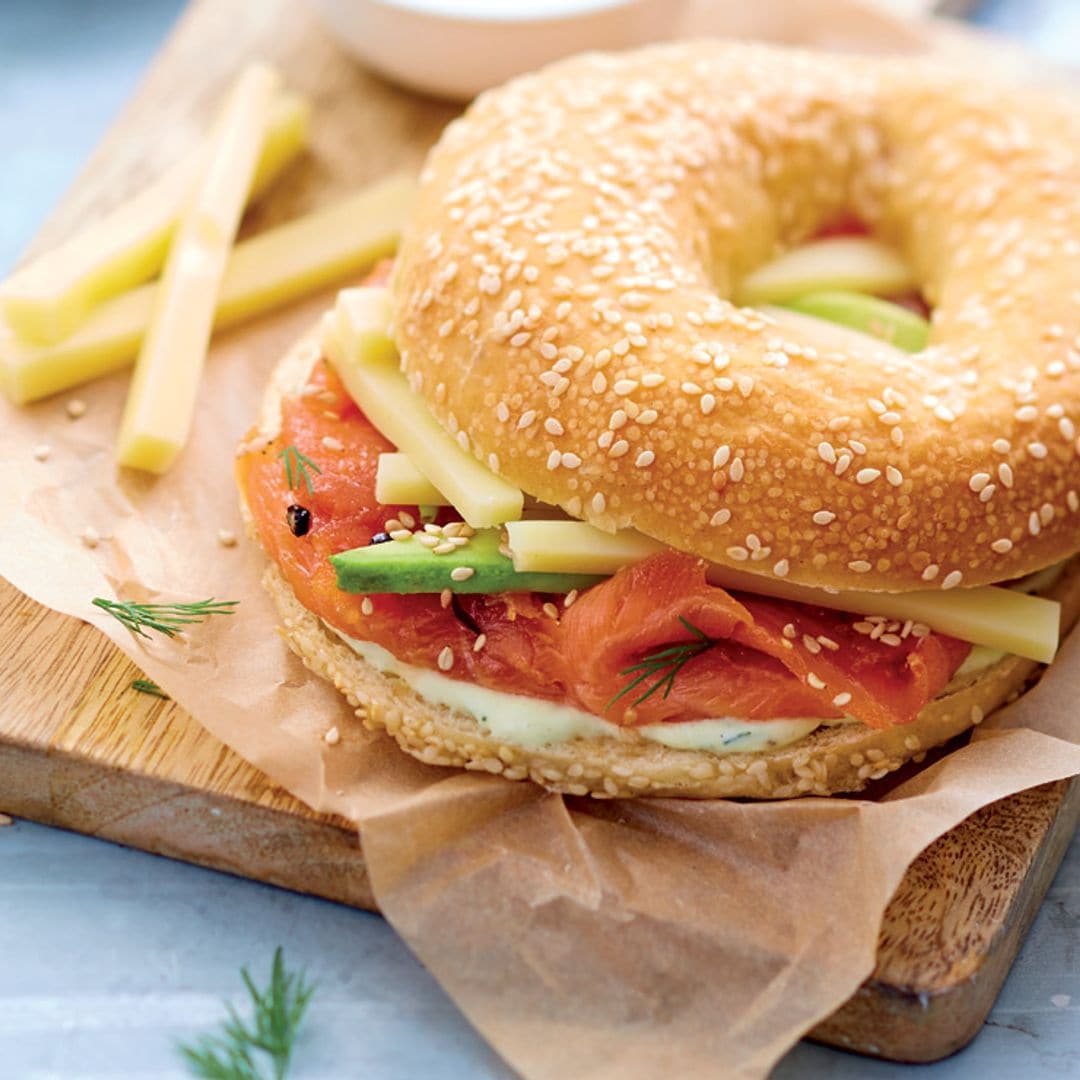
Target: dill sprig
148, 686
277, 1013
665, 664
167, 619
296, 468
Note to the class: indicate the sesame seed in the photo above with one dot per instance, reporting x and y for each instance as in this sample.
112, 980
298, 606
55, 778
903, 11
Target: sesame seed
1005, 474
841, 699
812, 645
462, 573
653, 379
815, 681
1026, 413
826, 453
443, 549
332, 737
1037, 450
1034, 525
789, 631
721, 517
527, 419
623, 387
366, 606
893, 475
976, 714
446, 658
599, 503
867, 476
824, 517
721, 456
930, 572
1001, 446
952, 579
480, 642
978, 481
737, 470
740, 554
644, 459
400, 534
330, 443
780, 569
553, 460
552, 426
1067, 429
1046, 513
446, 598
620, 448
859, 566
226, 538
842, 464
1002, 546
1072, 500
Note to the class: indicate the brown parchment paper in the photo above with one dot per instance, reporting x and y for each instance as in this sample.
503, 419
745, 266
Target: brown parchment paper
581, 938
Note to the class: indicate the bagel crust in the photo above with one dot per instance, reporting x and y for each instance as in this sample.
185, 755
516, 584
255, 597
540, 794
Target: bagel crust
560, 303
828, 761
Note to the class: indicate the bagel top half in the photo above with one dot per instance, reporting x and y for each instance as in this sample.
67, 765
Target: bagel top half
561, 302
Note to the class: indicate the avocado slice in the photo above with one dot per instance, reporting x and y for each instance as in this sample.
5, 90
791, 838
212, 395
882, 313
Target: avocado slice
881, 319
407, 566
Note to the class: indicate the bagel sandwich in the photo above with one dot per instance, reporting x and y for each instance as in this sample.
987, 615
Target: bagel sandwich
651, 467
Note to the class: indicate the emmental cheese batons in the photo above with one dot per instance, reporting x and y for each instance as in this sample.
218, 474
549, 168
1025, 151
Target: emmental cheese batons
1000, 618
264, 272
356, 340
161, 401
49, 298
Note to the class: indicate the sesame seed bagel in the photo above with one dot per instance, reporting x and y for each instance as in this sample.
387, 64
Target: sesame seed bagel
830, 760
561, 302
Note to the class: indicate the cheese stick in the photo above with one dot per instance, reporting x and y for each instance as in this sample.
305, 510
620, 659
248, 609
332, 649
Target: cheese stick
160, 405
50, 297
264, 272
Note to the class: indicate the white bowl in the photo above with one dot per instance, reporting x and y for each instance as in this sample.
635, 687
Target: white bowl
456, 48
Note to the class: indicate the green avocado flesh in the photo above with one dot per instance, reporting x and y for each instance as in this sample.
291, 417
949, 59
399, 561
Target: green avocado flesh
407, 566
889, 322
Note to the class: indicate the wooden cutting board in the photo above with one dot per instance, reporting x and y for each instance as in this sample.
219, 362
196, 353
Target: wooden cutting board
80, 750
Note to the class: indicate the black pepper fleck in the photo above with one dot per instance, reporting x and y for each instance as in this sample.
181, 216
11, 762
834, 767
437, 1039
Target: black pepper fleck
380, 538
299, 519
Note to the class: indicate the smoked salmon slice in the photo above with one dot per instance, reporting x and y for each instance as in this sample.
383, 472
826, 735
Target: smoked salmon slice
762, 658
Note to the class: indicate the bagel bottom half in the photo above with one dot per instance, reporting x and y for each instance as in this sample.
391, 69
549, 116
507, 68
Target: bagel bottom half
828, 761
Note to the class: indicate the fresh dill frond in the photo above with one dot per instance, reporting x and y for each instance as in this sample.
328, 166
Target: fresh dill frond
296, 468
665, 664
238, 1051
148, 686
167, 619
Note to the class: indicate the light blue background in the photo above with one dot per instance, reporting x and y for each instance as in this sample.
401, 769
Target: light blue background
108, 956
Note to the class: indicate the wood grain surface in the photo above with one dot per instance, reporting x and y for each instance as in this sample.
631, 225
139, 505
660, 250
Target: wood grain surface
80, 749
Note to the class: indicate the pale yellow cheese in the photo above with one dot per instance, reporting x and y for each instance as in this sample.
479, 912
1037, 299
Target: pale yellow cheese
559, 547
161, 402
264, 272
363, 357
858, 263
996, 617
398, 482
49, 298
